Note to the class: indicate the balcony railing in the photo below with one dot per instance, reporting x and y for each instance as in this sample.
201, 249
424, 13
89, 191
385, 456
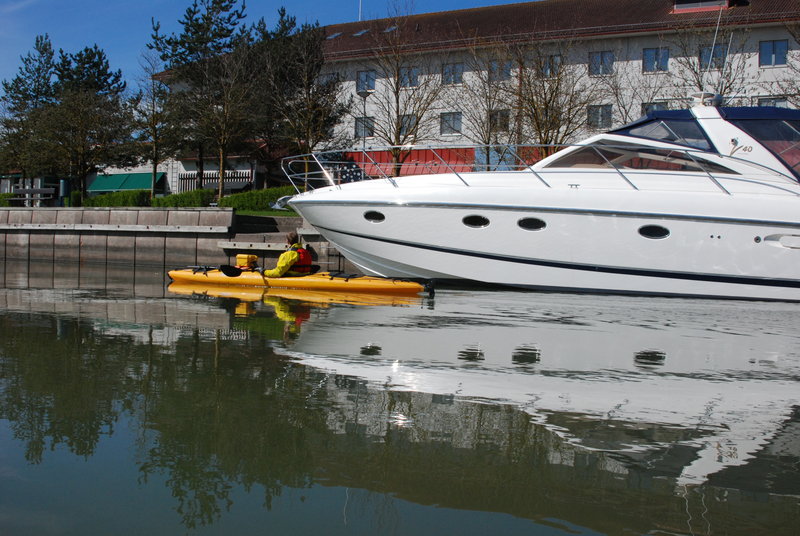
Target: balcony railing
234, 181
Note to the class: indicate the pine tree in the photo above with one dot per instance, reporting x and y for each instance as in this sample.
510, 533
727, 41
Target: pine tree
208, 70
89, 126
23, 100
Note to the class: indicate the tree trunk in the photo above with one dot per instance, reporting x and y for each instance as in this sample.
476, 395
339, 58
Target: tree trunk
199, 176
153, 182
221, 174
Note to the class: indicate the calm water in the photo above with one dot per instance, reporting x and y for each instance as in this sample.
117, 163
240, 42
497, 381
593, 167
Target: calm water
130, 408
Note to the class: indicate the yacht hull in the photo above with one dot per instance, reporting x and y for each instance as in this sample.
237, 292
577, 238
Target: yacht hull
615, 241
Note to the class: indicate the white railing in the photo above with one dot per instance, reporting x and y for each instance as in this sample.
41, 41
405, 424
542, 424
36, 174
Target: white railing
629, 161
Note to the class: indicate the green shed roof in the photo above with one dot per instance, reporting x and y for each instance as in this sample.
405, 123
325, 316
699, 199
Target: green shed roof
124, 181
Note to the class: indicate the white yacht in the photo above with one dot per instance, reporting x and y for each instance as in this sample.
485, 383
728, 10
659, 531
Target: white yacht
697, 202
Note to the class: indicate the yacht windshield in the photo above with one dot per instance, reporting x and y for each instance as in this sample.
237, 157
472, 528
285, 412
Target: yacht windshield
636, 157
782, 137
674, 126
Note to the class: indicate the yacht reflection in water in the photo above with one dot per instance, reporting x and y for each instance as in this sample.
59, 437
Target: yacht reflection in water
648, 378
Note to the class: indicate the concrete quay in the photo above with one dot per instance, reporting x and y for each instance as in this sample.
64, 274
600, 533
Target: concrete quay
164, 237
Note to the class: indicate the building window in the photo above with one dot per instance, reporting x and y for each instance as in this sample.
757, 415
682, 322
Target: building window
365, 81
601, 63
648, 107
655, 60
452, 73
409, 77
499, 120
772, 52
408, 124
450, 123
328, 79
777, 102
700, 5
365, 127
713, 58
599, 116
551, 66
499, 71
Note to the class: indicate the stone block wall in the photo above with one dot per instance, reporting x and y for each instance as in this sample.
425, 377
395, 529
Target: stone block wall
130, 236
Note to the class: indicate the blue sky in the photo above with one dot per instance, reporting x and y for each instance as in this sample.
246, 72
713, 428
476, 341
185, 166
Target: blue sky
122, 28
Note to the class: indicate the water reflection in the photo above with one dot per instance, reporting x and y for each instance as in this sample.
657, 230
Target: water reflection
570, 414
627, 375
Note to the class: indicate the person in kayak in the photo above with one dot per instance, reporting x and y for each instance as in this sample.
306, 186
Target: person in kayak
294, 261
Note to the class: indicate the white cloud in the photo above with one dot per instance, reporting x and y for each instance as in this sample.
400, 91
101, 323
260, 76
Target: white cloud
12, 7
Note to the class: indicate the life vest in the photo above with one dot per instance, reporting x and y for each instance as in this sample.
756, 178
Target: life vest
303, 264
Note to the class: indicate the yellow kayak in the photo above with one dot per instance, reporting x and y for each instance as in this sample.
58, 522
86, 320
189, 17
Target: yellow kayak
322, 281
319, 298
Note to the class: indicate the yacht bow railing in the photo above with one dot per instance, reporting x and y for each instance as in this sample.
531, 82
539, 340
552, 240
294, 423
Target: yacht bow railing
310, 171
628, 161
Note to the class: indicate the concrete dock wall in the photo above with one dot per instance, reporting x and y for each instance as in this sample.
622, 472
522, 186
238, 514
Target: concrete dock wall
129, 236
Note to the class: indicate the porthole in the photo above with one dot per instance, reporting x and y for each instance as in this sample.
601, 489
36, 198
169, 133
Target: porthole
526, 355
374, 216
649, 358
475, 221
471, 353
532, 224
654, 231
371, 349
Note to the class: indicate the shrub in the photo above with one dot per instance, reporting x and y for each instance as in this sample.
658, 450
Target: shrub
127, 198
4, 200
192, 198
256, 199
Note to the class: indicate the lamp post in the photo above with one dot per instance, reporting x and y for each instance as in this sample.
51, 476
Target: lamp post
364, 93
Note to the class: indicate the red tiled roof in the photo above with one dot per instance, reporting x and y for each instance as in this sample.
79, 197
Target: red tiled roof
545, 20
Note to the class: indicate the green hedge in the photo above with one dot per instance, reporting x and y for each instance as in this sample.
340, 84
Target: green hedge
193, 198
256, 199
128, 198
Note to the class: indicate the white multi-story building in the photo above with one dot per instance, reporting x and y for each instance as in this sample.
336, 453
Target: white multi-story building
553, 71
